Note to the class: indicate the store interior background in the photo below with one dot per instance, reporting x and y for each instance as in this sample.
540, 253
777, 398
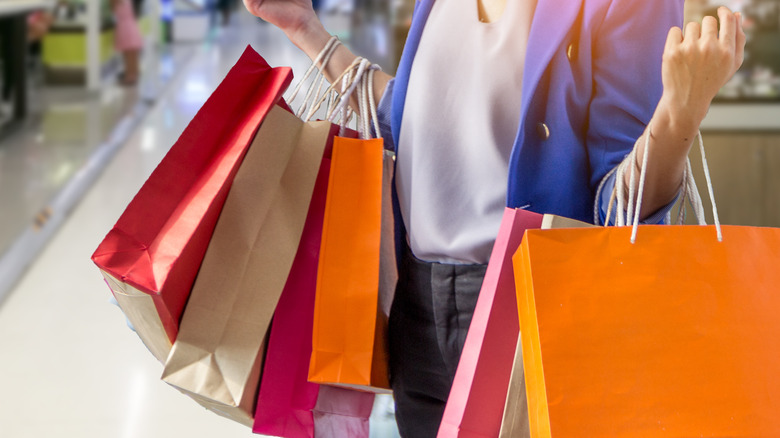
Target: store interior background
66, 116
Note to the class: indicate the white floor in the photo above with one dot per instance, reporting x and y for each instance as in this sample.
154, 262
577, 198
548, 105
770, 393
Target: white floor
69, 367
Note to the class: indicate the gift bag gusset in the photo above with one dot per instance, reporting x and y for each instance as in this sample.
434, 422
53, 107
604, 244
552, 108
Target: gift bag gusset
342, 412
217, 357
151, 256
514, 423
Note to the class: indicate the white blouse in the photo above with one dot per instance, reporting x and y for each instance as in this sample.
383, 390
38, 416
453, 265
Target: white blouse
460, 121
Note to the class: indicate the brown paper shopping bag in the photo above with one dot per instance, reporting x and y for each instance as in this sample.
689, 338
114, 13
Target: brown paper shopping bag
515, 422
217, 357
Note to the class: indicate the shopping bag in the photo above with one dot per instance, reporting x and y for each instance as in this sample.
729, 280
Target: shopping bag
217, 357
515, 423
651, 330
675, 335
356, 268
479, 391
342, 412
286, 399
515, 419
152, 255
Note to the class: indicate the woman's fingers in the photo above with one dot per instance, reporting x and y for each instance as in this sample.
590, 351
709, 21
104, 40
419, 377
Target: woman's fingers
740, 43
673, 39
728, 28
692, 32
709, 28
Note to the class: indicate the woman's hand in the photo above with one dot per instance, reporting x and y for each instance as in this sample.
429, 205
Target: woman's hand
294, 17
697, 64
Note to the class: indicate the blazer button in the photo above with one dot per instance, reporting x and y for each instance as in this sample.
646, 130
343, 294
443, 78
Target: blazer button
543, 130
571, 52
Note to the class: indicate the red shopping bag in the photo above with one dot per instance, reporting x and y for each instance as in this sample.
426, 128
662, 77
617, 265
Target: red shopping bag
152, 255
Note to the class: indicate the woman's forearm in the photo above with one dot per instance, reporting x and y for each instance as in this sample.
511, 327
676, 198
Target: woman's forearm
311, 37
696, 64
671, 137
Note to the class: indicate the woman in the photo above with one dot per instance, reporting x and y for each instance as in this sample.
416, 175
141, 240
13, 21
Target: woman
128, 40
527, 104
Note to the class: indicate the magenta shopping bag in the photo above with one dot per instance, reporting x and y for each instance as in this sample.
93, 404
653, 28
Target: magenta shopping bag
476, 402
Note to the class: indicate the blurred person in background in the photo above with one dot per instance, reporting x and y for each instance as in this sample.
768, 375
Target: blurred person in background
225, 8
128, 40
138, 7
38, 24
527, 104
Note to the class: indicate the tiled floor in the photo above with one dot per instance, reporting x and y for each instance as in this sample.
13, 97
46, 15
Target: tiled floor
65, 126
69, 367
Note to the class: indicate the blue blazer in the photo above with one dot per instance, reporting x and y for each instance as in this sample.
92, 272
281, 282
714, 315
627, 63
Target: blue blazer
591, 83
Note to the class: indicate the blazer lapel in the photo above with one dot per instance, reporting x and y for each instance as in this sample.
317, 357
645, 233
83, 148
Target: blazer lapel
422, 10
551, 23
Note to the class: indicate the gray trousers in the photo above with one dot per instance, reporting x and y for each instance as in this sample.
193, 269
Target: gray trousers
430, 316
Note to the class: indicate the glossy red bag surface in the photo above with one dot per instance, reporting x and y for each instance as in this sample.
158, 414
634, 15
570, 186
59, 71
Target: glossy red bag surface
152, 255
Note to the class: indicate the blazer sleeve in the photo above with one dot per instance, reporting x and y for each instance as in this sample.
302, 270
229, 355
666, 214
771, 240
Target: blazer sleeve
384, 114
627, 53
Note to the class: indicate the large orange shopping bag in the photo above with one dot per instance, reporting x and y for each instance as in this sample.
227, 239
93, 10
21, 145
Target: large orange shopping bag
675, 335
349, 345
651, 330
152, 255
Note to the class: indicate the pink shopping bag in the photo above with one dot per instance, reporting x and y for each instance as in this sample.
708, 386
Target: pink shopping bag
476, 402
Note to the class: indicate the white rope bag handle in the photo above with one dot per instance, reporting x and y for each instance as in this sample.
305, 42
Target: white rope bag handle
690, 191
358, 78
322, 59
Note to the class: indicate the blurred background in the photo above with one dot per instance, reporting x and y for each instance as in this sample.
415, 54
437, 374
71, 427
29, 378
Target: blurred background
89, 108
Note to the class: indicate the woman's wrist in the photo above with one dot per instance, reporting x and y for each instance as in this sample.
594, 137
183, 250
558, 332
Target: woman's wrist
680, 123
309, 35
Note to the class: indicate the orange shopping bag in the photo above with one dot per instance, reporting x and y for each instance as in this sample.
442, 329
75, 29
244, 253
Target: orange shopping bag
350, 344
357, 274
673, 335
